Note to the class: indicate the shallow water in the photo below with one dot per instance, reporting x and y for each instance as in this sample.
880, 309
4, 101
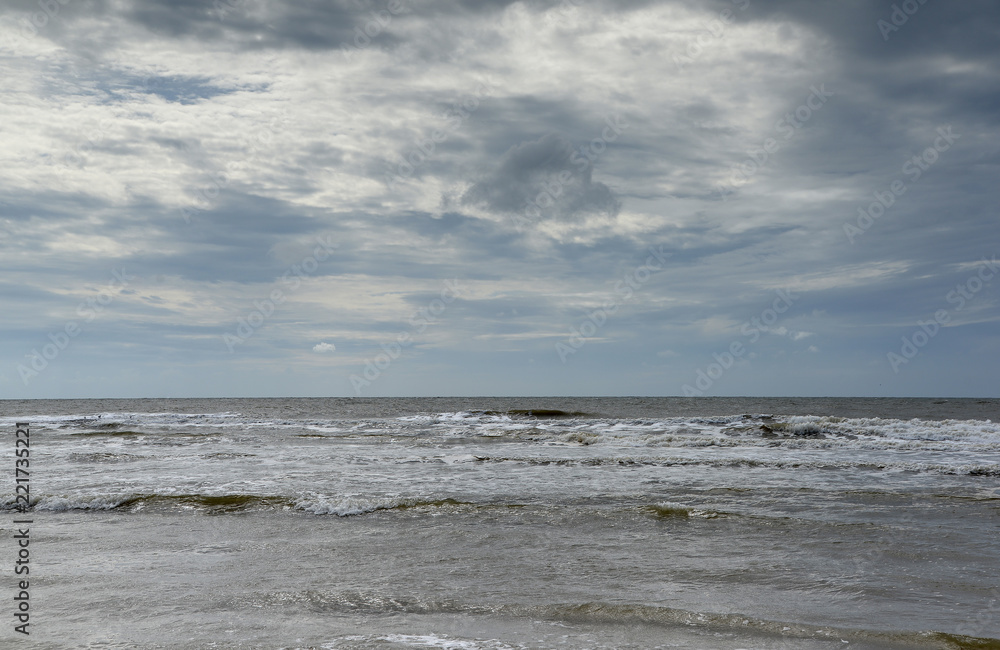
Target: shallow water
520, 523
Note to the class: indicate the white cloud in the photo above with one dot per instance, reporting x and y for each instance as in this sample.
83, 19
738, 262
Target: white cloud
324, 347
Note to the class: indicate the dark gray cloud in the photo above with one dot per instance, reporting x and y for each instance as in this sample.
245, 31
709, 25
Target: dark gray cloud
545, 178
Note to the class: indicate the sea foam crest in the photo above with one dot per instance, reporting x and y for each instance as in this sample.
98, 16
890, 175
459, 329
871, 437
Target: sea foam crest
63, 503
420, 641
352, 505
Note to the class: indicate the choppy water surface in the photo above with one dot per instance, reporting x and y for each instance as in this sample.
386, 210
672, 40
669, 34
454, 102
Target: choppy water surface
514, 523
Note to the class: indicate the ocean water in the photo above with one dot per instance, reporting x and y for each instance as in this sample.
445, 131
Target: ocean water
509, 523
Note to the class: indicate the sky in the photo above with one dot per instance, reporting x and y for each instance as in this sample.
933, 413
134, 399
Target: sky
209, 198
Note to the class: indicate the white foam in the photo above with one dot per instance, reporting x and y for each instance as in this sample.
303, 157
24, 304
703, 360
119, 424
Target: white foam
425, 641
351, 505
448, 643
62, 503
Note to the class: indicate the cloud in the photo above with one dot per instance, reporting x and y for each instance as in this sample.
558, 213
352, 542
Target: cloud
544, 178
278, 123
324, 347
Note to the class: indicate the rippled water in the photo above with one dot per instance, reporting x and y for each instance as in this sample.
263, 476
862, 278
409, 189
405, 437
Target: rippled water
520, 523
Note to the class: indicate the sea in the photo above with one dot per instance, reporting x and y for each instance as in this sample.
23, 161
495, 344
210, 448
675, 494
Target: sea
505, 523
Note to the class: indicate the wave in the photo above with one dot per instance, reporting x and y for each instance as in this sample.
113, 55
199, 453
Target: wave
349, 506
342, 506
679, 511
426, 641
109, 433
743, 627
217, 504
968, 469
543, 413
571, 427
111, 421
720, 431
104, 457
206, 503
726, 623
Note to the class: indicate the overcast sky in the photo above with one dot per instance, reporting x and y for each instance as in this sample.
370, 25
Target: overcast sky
423, 197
